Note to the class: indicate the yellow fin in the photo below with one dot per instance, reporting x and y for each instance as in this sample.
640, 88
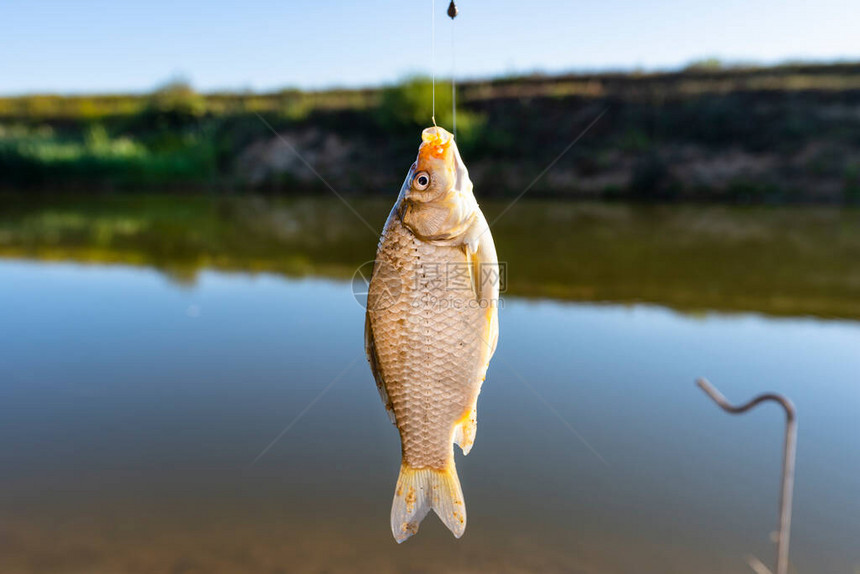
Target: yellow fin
420, 490
465, 429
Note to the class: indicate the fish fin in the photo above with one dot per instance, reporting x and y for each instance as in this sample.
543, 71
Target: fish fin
370, 349
486, 282
493, 334
481, 250
472, 244
420, 490
465, 429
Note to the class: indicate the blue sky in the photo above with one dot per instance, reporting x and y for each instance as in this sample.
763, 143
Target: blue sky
111, 46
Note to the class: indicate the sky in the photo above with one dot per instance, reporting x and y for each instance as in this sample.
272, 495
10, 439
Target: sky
89, 46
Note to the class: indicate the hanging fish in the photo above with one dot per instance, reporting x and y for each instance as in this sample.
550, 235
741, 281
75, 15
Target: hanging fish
431, 329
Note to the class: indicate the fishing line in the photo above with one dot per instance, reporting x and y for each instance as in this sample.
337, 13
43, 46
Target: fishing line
452, 13
453, 74
433, 57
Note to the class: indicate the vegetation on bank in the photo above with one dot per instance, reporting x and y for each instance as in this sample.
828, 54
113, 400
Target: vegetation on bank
778, 134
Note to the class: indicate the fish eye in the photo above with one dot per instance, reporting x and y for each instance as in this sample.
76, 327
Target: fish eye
421, 180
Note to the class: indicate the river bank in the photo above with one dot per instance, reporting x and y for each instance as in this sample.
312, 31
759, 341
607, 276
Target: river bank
782, 134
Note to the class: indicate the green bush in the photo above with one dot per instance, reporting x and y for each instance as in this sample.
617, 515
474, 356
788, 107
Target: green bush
33, 157
408, 106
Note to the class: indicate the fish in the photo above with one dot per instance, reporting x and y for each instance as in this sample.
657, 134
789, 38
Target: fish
431, 328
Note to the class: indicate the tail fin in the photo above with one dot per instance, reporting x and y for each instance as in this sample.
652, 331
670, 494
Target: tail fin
421, 489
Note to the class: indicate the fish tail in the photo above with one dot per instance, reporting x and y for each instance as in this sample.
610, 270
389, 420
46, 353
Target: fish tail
421, 489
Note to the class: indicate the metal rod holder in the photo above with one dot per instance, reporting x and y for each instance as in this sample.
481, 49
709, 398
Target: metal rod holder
788, 458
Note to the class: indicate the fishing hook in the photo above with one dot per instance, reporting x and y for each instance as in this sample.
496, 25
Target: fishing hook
788, 459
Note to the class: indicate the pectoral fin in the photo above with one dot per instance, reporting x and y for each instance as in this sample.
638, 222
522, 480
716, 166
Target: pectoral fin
481, 251
486, 282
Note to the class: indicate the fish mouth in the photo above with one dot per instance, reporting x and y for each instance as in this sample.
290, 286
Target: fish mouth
435, 143
436, 156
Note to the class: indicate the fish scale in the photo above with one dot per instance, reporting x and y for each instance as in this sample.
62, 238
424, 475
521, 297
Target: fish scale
424, 380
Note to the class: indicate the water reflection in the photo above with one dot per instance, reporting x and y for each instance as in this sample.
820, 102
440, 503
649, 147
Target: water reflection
128, 425
779, 261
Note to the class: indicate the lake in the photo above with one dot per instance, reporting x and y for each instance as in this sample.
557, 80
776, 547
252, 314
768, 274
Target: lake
184, 389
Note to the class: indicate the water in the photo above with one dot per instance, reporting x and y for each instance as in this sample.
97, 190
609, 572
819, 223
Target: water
140, 383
